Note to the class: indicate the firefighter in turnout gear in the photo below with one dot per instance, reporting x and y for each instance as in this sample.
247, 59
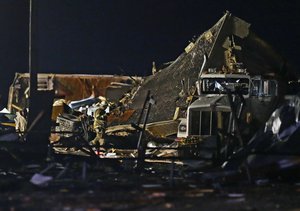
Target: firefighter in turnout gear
100, 119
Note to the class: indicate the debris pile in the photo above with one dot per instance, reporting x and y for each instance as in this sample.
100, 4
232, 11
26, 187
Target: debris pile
220, 112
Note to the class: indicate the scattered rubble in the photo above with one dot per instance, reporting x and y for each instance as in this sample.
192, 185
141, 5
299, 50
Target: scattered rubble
216, 123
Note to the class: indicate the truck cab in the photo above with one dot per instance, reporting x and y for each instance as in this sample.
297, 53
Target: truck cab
225, 107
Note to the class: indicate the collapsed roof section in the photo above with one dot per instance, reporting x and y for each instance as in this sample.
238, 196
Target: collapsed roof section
257, 56
70, 87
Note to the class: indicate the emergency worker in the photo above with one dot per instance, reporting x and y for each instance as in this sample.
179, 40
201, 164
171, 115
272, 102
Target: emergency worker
100, 120
230, 59
21, 122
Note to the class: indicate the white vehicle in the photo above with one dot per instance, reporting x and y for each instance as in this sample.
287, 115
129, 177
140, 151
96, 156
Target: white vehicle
212, 109
229, 110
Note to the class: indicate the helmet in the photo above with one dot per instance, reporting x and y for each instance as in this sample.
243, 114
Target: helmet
103, 104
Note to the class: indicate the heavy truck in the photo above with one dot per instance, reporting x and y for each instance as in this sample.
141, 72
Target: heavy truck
229, 109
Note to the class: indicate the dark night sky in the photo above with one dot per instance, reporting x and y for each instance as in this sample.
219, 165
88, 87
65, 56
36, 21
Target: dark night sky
104, 36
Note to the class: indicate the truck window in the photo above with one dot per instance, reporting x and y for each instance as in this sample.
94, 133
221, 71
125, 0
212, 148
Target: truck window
265, 88
219, 85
